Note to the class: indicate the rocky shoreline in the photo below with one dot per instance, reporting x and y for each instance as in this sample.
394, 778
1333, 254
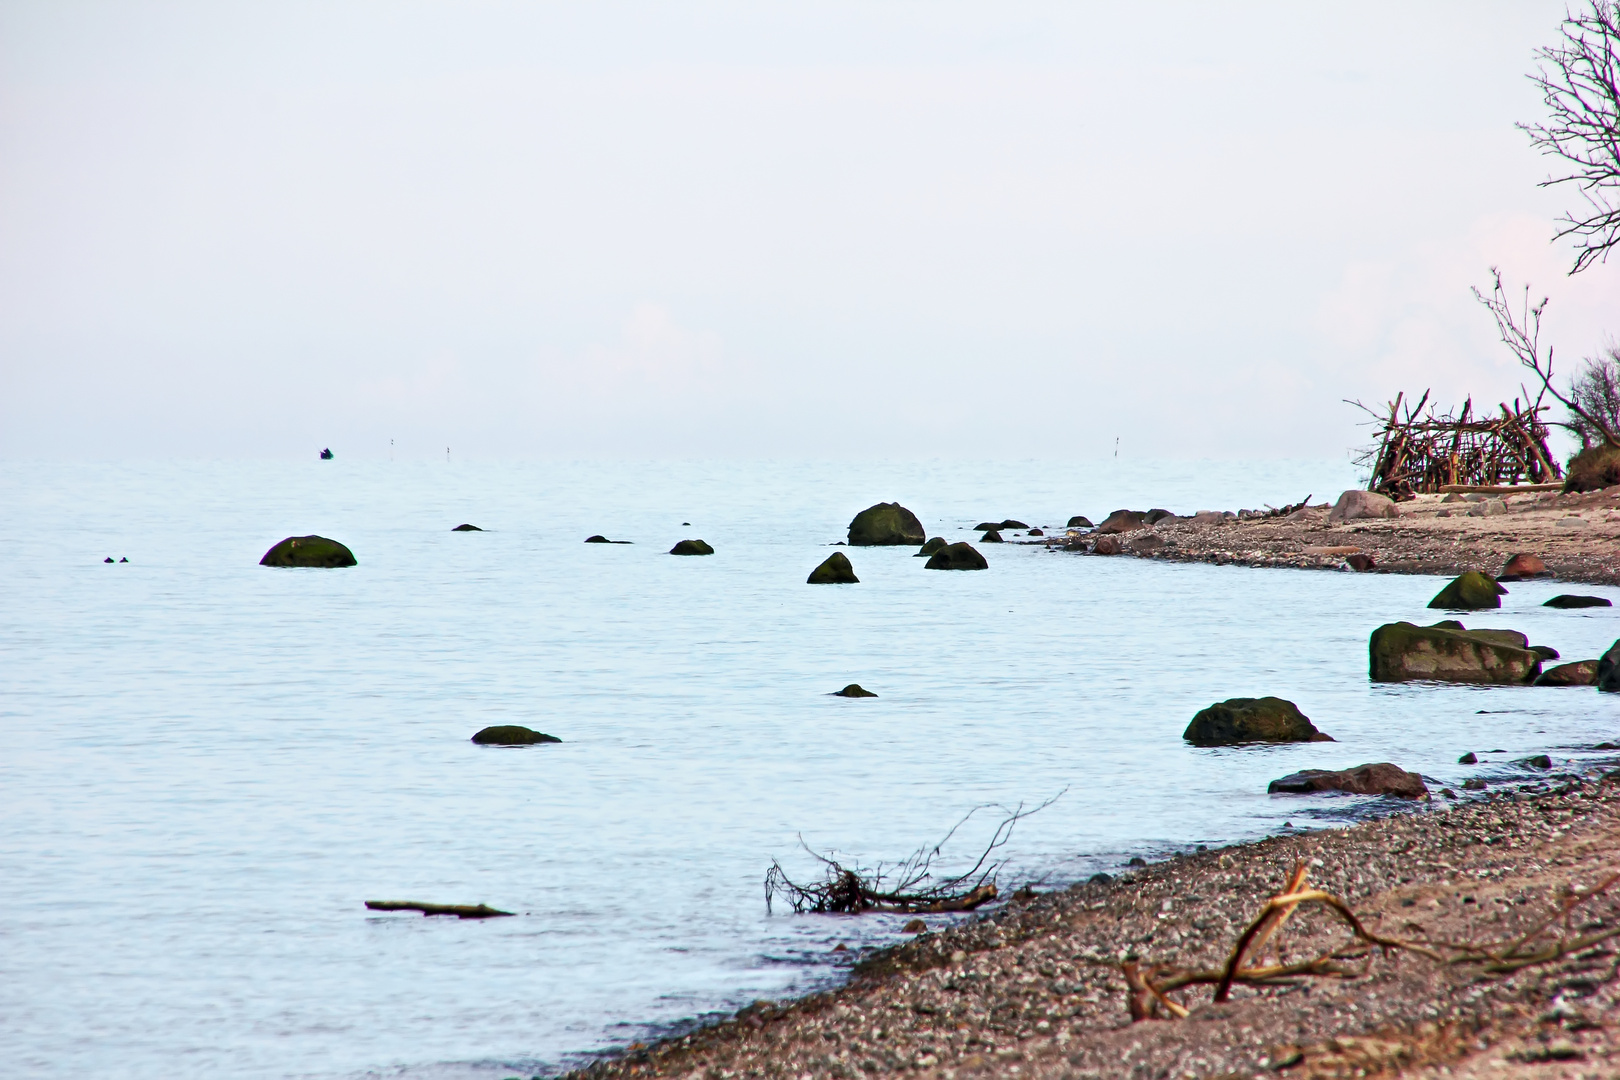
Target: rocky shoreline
1576, 535
1039, 988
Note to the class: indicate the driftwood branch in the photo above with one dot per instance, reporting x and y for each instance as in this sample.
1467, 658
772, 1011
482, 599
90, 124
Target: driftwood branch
461, 911
910, 885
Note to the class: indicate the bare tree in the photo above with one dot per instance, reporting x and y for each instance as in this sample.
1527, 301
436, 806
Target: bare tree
1597, 391
1579, 80
1521, 333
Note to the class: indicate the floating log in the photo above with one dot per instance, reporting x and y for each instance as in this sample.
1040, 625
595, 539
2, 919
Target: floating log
460, 911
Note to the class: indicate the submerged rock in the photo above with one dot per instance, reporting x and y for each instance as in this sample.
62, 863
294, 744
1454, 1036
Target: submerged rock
1523, 567
1471, 591
307, 551
1469, 758
512, 735
691, 547
854, 689
959, 556
1568, 600
464, 527
1013, 523
834, 570
1575, 673
1355, 505
1079, 521
1445, 652
885, 524
1380, 778
597, 539
933, 545
1247, 720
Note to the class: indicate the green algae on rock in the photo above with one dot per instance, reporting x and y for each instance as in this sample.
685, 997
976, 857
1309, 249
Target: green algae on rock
316, 551
1247, 720
834, 570
1445, 652
512, 735
958, 556
885, 524
691, 547
1470, 591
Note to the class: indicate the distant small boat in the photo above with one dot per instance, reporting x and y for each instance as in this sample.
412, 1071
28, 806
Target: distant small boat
326, 455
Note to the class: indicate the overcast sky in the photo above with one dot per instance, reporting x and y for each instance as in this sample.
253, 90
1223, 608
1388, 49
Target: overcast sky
762, 230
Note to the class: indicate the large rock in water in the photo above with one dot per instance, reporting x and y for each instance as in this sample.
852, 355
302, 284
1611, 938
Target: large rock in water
1608, 670
1380, 778
308, 551
1355, 504
834, 570
1247, 720
959, 556
691, 547
1471, 591
511, 735
885, 523
1445, 652
1576, 673
933, 545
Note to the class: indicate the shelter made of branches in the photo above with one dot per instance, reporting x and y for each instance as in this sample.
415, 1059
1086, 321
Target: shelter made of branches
1417, 450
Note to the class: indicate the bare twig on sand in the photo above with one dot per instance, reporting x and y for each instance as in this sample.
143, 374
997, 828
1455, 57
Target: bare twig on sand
907, 886
461, 911
1148, 988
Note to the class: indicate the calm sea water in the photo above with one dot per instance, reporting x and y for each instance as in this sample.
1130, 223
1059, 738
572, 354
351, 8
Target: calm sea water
208, 766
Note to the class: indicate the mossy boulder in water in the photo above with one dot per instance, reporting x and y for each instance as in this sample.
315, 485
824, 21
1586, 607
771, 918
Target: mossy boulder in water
835, 570
933, 545
308, 551
991, 536
512, 735
960, 556
1472, 591
691, 547
885, 524
1445, 652
1247, 720
1593, 468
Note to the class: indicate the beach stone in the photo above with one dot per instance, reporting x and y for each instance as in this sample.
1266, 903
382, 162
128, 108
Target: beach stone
1107, 545
1593, 468
1247, 720
1079, 521
1470, 591
1473, 783
1121, 521
834, 570
1013, 523
1037, 532
1488, 508
691, 547
1571, 523
307, 551
1575, 673
1608, 670
1360, 561
1379, 778
512, 735
1540, 761
959, 556
464, 527
1570, 601
1522, 568
1445, 652
853, 690
1469, 758
987, 526
1145, 544
1355, 504
1099, 879
885, 524
990, 537
933, 545
915, 926
1156, 515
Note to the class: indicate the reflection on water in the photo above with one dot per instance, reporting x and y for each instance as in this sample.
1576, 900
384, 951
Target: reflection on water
210, 765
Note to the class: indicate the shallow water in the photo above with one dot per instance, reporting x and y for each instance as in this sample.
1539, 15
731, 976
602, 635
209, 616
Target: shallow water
209, 765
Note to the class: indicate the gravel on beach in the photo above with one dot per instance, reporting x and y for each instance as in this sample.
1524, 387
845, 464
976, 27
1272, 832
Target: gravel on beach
1036, 988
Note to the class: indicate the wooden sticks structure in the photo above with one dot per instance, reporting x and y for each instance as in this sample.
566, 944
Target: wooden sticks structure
1418, 451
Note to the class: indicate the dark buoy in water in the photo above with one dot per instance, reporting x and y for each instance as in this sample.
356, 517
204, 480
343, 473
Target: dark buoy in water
326, 455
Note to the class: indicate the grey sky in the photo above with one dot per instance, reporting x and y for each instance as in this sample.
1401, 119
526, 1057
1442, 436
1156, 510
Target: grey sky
872, 229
